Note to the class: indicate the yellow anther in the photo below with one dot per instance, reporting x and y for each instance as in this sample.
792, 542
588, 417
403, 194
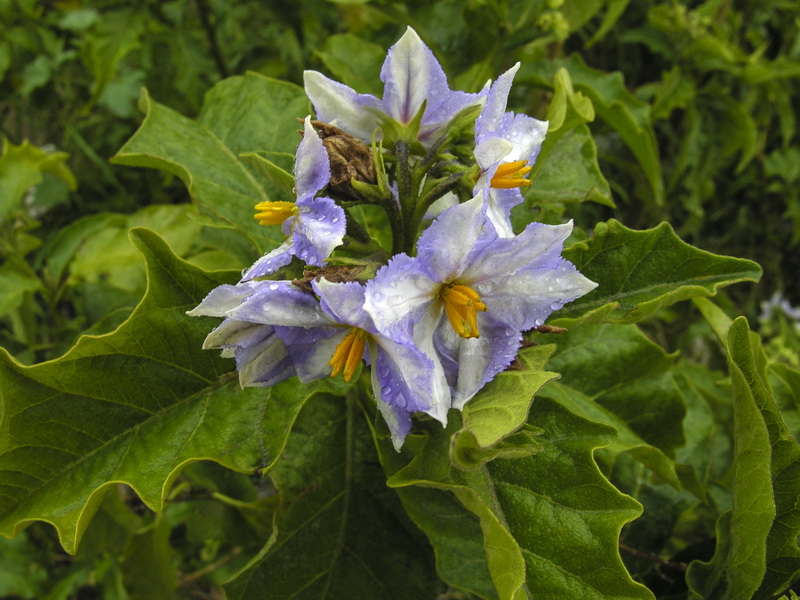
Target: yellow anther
274, 213
348, 354
511, 175
461, 305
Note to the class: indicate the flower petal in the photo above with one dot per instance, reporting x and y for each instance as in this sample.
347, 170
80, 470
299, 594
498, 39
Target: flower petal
265, 363
222, 299
461, 233
271, 261
319, 229
491, 116
538, 246
338, 104
281, 303
412, 75
312, 170
344, 302
398, 296
479, 359
311, 349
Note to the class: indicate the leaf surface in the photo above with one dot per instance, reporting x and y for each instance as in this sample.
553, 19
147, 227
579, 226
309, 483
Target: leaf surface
340, 530
640, 272
245, 114
134, 406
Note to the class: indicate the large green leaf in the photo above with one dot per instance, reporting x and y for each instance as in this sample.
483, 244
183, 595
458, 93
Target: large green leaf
640, 272
134, 406
614, 375
550, 521
241, 115
341, 532
757, 555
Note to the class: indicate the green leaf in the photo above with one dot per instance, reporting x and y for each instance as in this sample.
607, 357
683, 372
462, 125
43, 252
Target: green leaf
550, 521
640, 272
614, 375
21, 167
114, 36
354, 62
241, 115
501, 407
757, 555
566, 169
629, 116
134, 406
340, 532
14, 285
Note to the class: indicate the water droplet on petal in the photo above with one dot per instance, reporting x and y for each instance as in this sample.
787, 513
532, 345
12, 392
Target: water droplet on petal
273, 286
538, 323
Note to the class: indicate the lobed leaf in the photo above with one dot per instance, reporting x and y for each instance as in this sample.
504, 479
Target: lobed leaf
550, 521
134, 406
640, 272
245, 114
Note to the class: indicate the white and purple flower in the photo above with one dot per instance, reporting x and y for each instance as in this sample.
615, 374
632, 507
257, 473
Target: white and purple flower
323, 334
313, 226
411, 76
490, 288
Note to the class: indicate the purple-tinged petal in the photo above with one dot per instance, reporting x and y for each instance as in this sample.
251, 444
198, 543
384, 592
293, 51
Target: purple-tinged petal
261, 357
412, 75
489, 153
438, 115
548, 289
538, 245
222, 299
525, 133
311, 349
271, 261
479, 359
398, 421
320, 228
491, 116
338, 104
312, 170
344, 302
398, 296
455, 239
263, 364
281, 303
404, 374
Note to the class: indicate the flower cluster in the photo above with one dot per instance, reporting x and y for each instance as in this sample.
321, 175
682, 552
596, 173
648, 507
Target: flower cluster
441, 313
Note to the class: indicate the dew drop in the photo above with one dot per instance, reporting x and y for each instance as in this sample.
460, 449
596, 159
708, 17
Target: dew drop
556, 305
335, 220
538, 323
386, 390
273, 286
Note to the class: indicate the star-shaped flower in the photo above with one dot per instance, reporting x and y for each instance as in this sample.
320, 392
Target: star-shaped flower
469, 293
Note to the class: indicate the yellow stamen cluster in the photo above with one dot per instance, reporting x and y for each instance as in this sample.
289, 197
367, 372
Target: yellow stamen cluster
461, 304
348, 354
274, 213
511, 175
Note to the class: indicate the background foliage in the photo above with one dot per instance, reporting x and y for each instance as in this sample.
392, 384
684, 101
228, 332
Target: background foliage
664, 453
